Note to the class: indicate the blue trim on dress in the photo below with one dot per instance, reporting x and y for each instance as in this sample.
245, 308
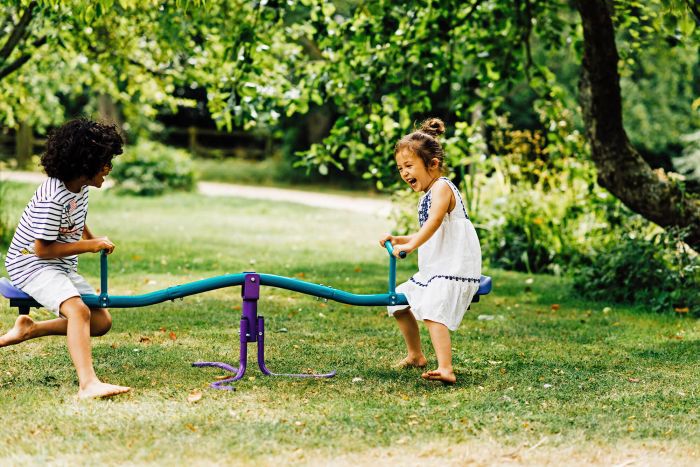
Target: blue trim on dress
424, 208
451, 278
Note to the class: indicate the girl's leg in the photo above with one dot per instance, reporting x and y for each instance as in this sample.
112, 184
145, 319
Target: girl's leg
440, 337
80, 349
409, 328
25, 328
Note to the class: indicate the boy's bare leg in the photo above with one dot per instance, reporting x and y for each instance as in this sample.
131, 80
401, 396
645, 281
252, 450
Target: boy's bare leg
440, 336
80, 349
25, 328
409, 328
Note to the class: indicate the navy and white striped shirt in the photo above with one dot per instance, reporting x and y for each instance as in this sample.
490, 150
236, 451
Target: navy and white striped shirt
54, 214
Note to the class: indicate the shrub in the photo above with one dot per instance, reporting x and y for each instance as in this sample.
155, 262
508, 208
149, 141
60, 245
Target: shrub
659, 271
150, 169
6, 229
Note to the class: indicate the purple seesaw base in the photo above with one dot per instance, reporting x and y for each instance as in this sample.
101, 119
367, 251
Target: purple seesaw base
252, 330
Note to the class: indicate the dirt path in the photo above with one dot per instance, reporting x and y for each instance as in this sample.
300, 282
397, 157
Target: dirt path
377, 207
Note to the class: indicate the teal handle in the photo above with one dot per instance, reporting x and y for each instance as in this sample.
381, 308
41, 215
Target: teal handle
390, 248
104, 300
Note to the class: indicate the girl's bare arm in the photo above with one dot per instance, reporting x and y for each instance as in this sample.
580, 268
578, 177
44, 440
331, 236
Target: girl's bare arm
440, 203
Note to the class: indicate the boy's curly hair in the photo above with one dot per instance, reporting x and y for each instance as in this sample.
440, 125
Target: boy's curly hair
80, 148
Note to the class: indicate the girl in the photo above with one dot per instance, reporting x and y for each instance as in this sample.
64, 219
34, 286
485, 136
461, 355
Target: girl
43, 257
449, 256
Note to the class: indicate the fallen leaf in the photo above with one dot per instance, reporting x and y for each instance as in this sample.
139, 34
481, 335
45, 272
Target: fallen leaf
172, 335
145, 339
194, 396
555, 306
358, 269
162, 329
633, 380
684, 309
220, 377
236, 308
191, 427
300, 274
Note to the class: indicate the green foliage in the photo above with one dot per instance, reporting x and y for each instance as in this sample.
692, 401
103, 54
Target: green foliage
6, 230
659, 70
658, 271
150, 169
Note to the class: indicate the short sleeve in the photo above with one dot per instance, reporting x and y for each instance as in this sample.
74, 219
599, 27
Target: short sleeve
46, 219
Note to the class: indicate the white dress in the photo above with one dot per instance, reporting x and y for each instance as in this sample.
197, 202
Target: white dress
449, 267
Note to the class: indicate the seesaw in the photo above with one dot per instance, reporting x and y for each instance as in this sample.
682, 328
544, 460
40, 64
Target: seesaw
252, 326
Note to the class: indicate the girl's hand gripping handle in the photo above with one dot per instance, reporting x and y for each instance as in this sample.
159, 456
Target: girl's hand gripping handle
390, 248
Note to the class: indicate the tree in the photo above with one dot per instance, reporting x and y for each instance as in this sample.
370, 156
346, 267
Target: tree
620, 167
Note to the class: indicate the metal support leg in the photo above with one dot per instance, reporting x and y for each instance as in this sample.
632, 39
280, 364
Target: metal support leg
243, 360
252, 330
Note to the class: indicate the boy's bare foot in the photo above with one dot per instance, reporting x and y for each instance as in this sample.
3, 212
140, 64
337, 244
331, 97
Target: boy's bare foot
412, 362
441, 374
19, 332
100, 389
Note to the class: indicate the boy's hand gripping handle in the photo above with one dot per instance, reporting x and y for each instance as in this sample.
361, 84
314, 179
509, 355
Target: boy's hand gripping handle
390, 248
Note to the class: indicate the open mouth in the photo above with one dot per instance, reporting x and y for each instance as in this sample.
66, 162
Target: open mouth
412, 181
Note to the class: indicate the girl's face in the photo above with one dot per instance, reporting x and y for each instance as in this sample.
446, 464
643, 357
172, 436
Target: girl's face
414, 172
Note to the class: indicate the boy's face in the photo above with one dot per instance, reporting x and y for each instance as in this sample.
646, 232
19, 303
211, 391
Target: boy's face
99, 179
414, 172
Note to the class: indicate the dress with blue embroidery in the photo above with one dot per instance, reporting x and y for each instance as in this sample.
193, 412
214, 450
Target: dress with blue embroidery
449, 266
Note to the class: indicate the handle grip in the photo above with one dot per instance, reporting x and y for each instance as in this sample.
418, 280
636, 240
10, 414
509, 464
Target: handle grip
390, 248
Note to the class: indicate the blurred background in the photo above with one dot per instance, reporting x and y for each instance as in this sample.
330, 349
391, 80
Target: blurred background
314, 94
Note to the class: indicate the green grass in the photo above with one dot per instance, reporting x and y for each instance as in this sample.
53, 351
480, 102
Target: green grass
578, 380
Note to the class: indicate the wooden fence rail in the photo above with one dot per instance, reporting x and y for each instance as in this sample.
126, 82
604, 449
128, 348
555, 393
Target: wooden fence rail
239, 144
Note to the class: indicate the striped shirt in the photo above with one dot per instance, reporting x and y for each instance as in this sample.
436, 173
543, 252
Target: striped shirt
54, 214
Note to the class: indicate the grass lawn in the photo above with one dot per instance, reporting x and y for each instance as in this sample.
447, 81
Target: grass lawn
569, 384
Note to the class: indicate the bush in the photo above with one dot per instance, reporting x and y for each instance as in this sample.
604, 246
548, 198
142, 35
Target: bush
150, 169
6, 229
660, 272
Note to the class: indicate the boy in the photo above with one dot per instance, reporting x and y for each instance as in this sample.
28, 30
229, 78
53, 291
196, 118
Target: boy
43, 257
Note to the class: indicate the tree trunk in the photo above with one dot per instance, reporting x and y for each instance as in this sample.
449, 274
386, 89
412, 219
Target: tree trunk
23, 145
621, 169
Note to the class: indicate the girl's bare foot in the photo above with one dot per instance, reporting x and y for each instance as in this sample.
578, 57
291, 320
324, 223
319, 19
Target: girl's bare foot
446, 376
412, 362
100, 389
19, 332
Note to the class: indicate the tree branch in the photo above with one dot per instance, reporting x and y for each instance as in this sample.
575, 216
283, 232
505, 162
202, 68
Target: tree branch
24, 58
18, 32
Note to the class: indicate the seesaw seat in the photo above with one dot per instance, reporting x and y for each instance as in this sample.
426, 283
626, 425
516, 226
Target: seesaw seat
17, 298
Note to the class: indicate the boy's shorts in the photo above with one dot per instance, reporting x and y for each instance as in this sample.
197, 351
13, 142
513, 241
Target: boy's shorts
51, 288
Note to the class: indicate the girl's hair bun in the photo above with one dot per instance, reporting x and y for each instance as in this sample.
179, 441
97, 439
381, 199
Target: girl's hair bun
433, 126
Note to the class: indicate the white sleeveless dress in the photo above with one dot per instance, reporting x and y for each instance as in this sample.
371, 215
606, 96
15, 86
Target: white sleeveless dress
449, 267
